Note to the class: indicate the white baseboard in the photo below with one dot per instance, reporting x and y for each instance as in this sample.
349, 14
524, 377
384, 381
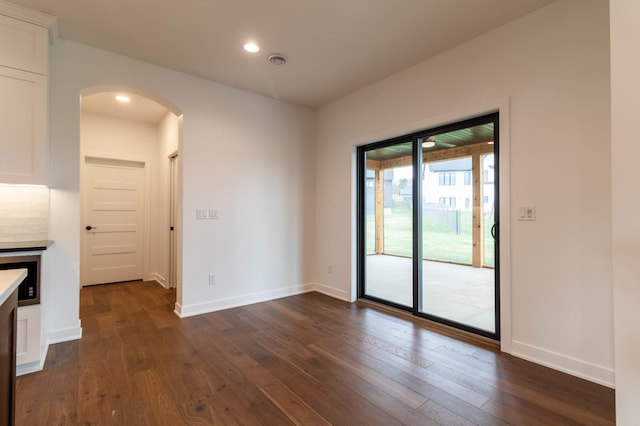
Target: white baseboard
54, 336
585, 370
177, 309
30, 367
33, 367
336, 293
154, 276
233, 302
64, 334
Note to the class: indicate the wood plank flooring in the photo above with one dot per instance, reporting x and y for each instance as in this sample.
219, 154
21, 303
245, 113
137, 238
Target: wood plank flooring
305, 360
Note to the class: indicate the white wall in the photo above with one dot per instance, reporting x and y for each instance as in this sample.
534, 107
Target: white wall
121, 138
552, 65
625, 151
248, 155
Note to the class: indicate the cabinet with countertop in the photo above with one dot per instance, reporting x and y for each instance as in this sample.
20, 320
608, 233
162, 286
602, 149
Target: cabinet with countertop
24, 67
30, 351
9, 282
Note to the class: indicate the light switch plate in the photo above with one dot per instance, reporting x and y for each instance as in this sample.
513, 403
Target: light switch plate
214, 213
201, 213
527, 213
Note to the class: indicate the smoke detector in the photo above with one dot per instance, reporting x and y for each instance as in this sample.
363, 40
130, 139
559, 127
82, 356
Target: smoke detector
277, 59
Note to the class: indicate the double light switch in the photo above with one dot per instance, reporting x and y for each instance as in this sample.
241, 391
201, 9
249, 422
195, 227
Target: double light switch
204, 213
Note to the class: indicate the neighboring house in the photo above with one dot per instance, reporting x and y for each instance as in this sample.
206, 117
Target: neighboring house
450, 183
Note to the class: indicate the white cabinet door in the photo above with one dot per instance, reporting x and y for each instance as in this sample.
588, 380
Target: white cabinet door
28, 335
23, 127
24, 46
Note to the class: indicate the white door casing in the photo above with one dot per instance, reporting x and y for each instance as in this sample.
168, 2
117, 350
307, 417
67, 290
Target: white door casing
173, 242
113, 208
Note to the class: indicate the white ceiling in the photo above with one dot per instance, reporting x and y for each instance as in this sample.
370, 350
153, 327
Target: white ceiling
334, 47
138, 108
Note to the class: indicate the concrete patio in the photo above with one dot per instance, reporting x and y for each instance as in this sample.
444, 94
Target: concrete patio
455, 292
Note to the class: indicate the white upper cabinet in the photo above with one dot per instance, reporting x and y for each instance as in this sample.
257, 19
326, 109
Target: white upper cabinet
24, 46
24, 65
23, 127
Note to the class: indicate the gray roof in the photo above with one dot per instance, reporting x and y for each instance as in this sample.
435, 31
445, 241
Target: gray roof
458, 165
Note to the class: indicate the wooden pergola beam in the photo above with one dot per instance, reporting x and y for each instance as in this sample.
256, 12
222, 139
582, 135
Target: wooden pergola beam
379, 231
428, 157
373, 164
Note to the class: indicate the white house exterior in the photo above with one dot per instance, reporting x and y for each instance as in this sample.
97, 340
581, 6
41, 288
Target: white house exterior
450, 183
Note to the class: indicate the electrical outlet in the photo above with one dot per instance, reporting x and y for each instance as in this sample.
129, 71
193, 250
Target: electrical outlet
330, 268
212, 279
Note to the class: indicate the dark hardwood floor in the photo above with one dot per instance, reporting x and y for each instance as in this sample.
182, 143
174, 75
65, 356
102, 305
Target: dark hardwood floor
307, 360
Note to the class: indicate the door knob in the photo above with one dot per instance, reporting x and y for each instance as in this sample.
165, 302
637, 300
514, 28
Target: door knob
89, 227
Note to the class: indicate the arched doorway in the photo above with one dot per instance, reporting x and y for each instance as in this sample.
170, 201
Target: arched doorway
130, 190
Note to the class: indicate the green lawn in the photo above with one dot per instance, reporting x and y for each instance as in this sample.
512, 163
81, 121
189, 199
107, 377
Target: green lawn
439, 241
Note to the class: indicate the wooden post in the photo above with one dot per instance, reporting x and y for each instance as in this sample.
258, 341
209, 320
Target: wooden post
379, 211
478, 216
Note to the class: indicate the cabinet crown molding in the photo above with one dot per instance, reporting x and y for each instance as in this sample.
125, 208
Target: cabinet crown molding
31, 16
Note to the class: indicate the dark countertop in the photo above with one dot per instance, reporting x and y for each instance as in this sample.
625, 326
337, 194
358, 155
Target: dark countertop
25, 246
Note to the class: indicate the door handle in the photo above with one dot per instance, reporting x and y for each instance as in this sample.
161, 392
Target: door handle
493, 231
89, 227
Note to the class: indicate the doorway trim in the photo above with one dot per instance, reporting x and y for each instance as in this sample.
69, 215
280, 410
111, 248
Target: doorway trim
465, 112
172, 279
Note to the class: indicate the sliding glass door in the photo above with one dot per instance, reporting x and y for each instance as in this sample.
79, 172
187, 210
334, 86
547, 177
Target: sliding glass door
428, 224
388, 215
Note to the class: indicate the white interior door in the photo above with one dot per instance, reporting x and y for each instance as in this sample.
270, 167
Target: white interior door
113, 221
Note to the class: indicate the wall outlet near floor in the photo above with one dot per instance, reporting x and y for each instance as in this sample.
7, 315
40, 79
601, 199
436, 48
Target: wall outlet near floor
330, 268
212, 279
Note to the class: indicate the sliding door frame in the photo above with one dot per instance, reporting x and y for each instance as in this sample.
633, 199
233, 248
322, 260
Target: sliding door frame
417, 161
361, 212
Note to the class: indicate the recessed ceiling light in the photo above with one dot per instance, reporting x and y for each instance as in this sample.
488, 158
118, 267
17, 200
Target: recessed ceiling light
251, 47
122, 98
428, 144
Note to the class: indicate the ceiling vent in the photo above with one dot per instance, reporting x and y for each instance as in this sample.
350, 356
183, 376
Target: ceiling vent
277, 59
